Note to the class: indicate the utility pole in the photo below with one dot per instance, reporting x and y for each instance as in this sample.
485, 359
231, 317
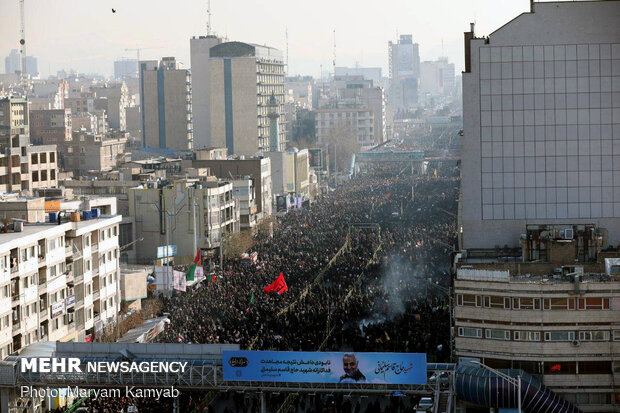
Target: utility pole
22, 42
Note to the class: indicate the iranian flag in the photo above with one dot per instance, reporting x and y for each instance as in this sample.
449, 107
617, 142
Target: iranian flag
189, 276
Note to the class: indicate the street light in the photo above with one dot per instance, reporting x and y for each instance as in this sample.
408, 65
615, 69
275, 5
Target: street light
515, 382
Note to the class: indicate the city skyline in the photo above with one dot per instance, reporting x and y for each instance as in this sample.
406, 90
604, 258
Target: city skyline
105, 35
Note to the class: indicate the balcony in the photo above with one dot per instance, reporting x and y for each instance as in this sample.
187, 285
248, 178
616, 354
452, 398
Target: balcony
16, 326
42, 286
96, 295
43, 312
79, 303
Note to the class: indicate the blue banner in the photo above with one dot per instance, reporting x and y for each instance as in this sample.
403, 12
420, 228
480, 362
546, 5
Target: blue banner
306, 367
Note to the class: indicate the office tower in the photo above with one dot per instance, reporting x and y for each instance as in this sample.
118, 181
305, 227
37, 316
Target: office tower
166, 105
13, 62
404, 67
243, 78
201, 86
125, 68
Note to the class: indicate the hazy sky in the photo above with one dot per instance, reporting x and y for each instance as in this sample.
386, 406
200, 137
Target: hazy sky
85, 35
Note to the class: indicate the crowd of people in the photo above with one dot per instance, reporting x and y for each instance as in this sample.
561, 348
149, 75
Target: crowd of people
381, 244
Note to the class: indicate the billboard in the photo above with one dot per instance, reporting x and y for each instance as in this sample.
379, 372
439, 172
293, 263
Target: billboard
166, 251
319, 367
316, 158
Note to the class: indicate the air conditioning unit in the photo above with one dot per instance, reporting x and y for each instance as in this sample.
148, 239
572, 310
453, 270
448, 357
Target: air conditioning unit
576, 343
568, 233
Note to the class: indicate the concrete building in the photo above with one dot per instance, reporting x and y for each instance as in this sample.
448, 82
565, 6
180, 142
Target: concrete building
13, 62
404, 64
117, 99
50, 127
258, 169
290, 172
244, 193
541, 122
300, 89
243, 79
86, 152
166, 105
188, 213
369, 73
550, 310
57, 282
23, 166
80, 104
125, 68
437, 77
331, 122
201, 88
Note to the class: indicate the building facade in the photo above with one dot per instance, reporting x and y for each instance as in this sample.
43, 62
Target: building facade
186, 213
358, 121
541, 124
116, 100
92, 152
50, 127
57, 282
201, 88
404, 65
166, 100
243, 79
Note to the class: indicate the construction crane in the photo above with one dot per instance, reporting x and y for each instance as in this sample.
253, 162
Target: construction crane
22, 43
138, 50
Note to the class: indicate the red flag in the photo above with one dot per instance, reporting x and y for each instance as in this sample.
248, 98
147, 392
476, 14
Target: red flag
556, 367
213, 277
278, 286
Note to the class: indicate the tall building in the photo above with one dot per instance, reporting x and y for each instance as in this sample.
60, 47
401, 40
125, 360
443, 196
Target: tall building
50, 127
537, 284
13, 62
243, 78
208, 214
437, 78
540, 124
332, 123
166, 99
23, 166
404, 64
201, 88
58, 282
32, 68
125, 68
116, 100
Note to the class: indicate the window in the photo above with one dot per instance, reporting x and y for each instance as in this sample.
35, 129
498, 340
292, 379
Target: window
559, 336
470, 332
559, 304
526, 303
53, 174
35, 176
496, 302
616, 335
466, 299
527, 336
594, 335
593, 303
52, 157
497, 334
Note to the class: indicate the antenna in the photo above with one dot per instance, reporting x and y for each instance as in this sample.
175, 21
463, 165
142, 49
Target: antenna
208, 17
22, 42
286, 35
442, 53
334, 62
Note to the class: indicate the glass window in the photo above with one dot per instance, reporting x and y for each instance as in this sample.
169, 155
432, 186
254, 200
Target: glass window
594, 335
470, 332
559, 336
527, 336
497, 334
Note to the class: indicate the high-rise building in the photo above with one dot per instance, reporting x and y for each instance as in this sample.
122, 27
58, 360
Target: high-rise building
116, 100
22, 165
13, 62
125, 68
437, 78
32, 68
50, 127
537, 282
166, 99
201, 88
58, 282
540, 124
243, 79
404, 64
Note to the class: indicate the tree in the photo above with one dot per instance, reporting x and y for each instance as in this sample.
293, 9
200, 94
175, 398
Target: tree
342, 142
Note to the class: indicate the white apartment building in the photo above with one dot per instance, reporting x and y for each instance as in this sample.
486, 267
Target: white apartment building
58, 282
331, 122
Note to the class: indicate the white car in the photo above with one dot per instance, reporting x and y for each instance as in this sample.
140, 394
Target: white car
425, 404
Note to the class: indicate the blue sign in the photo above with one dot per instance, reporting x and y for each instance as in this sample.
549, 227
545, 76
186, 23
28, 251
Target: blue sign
307, 367
166, 251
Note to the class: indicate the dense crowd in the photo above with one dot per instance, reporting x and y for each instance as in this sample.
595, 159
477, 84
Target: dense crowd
386, 291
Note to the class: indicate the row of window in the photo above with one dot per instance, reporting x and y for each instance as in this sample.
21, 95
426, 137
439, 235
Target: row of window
529, 303
43, 176
520, 335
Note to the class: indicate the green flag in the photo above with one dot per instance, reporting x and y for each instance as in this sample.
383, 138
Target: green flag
189, 276
252, 298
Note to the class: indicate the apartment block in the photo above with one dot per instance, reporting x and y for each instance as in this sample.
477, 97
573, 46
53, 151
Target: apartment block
50, 127
57, 282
